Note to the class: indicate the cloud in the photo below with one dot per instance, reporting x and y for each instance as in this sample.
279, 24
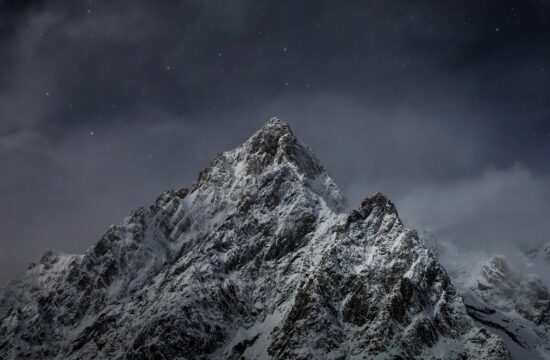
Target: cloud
501, 211
498, 211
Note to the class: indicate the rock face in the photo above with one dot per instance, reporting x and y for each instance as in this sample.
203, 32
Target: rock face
258, 259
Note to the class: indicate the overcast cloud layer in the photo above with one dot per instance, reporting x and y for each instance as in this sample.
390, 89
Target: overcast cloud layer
444, 106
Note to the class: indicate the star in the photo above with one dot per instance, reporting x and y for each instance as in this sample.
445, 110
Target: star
92, 133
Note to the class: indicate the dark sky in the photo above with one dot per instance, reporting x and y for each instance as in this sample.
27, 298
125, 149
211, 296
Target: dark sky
443, 105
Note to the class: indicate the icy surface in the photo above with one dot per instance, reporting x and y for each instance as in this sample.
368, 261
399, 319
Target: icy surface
258, 259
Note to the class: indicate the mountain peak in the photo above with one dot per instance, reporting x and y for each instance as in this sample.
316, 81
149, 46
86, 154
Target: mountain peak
272, 156
377, 203
267, 139
276, 145
378, 200
277, 123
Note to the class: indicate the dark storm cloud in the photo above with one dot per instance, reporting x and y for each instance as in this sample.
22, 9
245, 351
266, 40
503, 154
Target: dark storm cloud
105, 104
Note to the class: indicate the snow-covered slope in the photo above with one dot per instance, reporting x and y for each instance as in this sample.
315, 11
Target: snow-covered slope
258, 259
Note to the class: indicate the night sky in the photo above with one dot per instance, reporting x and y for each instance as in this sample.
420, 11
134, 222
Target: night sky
442, 105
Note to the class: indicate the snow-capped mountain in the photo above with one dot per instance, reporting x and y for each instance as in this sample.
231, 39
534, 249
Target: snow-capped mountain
508, 300
257, 259
515, 306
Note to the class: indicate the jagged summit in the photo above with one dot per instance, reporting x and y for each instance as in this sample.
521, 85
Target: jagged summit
276, 125
257, 260
266, 139
275, 138
378, 200
271, 156
378, 203
275, 142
